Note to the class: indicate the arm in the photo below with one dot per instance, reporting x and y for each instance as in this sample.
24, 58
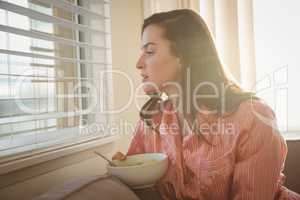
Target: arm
137, 142
260, 158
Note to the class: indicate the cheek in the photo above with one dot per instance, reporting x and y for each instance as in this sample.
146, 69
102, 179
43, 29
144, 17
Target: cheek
163, 70
154, 69
156, 77
160, 70
169, 71
155, 80
156, 74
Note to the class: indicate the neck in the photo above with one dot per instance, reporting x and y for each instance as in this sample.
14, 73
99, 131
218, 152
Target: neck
175, 98
177, 102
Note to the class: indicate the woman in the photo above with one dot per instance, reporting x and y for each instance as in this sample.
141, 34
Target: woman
222, 142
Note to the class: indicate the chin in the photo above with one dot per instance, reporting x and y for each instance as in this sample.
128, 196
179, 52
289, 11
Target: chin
150, 87
150, 90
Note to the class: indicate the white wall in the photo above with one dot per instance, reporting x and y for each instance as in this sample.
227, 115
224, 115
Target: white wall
126, 49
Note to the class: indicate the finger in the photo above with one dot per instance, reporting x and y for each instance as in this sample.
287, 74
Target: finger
117, 156
123, 157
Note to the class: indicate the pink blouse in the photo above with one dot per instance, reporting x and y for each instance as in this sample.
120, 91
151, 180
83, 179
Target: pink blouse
243, 162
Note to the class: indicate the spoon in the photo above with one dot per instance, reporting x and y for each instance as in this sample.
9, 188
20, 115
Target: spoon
105, 158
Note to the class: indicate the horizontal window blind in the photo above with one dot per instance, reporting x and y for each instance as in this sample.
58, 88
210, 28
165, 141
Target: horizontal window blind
52, 57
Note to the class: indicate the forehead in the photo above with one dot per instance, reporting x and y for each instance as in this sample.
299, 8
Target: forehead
153, 33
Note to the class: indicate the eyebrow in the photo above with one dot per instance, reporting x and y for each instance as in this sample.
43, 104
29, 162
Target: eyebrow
147, 44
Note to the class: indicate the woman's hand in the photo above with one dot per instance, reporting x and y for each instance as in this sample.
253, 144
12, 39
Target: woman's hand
119, 156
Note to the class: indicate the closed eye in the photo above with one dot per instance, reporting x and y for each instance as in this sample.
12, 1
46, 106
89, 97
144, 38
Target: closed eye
150, 52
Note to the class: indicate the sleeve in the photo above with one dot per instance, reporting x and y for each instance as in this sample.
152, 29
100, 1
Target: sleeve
137, 142
260, 159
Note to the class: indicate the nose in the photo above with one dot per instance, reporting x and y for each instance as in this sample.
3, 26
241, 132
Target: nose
140, 63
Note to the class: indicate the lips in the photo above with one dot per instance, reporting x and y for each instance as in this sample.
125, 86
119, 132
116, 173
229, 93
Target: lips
145, 78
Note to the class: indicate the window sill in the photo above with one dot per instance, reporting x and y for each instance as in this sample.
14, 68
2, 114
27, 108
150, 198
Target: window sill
18, 162
291, 136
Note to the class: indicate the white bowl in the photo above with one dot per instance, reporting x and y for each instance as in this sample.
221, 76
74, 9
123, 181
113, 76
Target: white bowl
143, 170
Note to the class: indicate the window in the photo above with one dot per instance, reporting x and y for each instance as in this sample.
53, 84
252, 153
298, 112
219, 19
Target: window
276, 26
52, 86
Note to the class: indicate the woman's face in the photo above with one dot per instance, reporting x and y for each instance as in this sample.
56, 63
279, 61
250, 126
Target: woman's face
157, 64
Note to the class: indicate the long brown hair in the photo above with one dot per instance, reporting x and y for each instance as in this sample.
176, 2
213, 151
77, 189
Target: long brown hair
192, 42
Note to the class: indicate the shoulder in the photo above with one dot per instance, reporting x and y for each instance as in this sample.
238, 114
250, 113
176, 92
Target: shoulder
258, 121
256, 106
255, 111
